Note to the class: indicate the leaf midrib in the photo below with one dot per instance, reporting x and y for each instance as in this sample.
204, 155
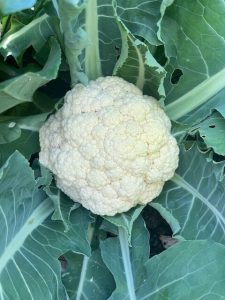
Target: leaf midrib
123, 238
181, 182
92, 54
35, 219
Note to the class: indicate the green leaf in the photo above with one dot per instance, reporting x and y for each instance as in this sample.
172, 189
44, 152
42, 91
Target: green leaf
87, 276
11, 27
137, 65
92, 37
11, 127
194, 38
9, 131
21, 88
27, 144
79, 23
187, 270
43, 102
8, 7
170, 219
20, 134
63, 205
34, 34
140, 17
30, 242
126, 220
212, 131
127, 263
216, 102
42, 175
195, 197
199, 102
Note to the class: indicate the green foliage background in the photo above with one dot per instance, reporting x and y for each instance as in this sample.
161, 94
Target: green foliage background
52, 248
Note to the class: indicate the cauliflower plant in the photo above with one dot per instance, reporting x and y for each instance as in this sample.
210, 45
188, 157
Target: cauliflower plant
109, 146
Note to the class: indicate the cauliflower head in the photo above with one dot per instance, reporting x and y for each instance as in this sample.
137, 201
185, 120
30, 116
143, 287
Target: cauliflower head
109, 146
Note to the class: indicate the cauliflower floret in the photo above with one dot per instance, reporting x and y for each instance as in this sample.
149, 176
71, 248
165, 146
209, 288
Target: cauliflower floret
109, 146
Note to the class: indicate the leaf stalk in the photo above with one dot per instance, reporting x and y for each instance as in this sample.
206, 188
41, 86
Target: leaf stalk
196, 97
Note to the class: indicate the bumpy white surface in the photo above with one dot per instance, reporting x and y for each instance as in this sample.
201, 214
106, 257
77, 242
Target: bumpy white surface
109, 146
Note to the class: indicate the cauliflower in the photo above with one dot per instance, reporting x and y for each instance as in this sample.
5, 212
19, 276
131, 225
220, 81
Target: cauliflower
109, 146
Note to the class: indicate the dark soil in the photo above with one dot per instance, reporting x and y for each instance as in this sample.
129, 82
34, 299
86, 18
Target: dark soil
159, 230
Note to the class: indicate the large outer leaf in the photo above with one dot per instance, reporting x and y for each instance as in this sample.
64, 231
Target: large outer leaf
91, 35
127, 263
87, 277
20, 134
126, 220
216, 102
195, 197
35, 34
140, 17
137, 65
30, 246
194, 37
27, 144
212, 131
188, 270
21, 88
12, 127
